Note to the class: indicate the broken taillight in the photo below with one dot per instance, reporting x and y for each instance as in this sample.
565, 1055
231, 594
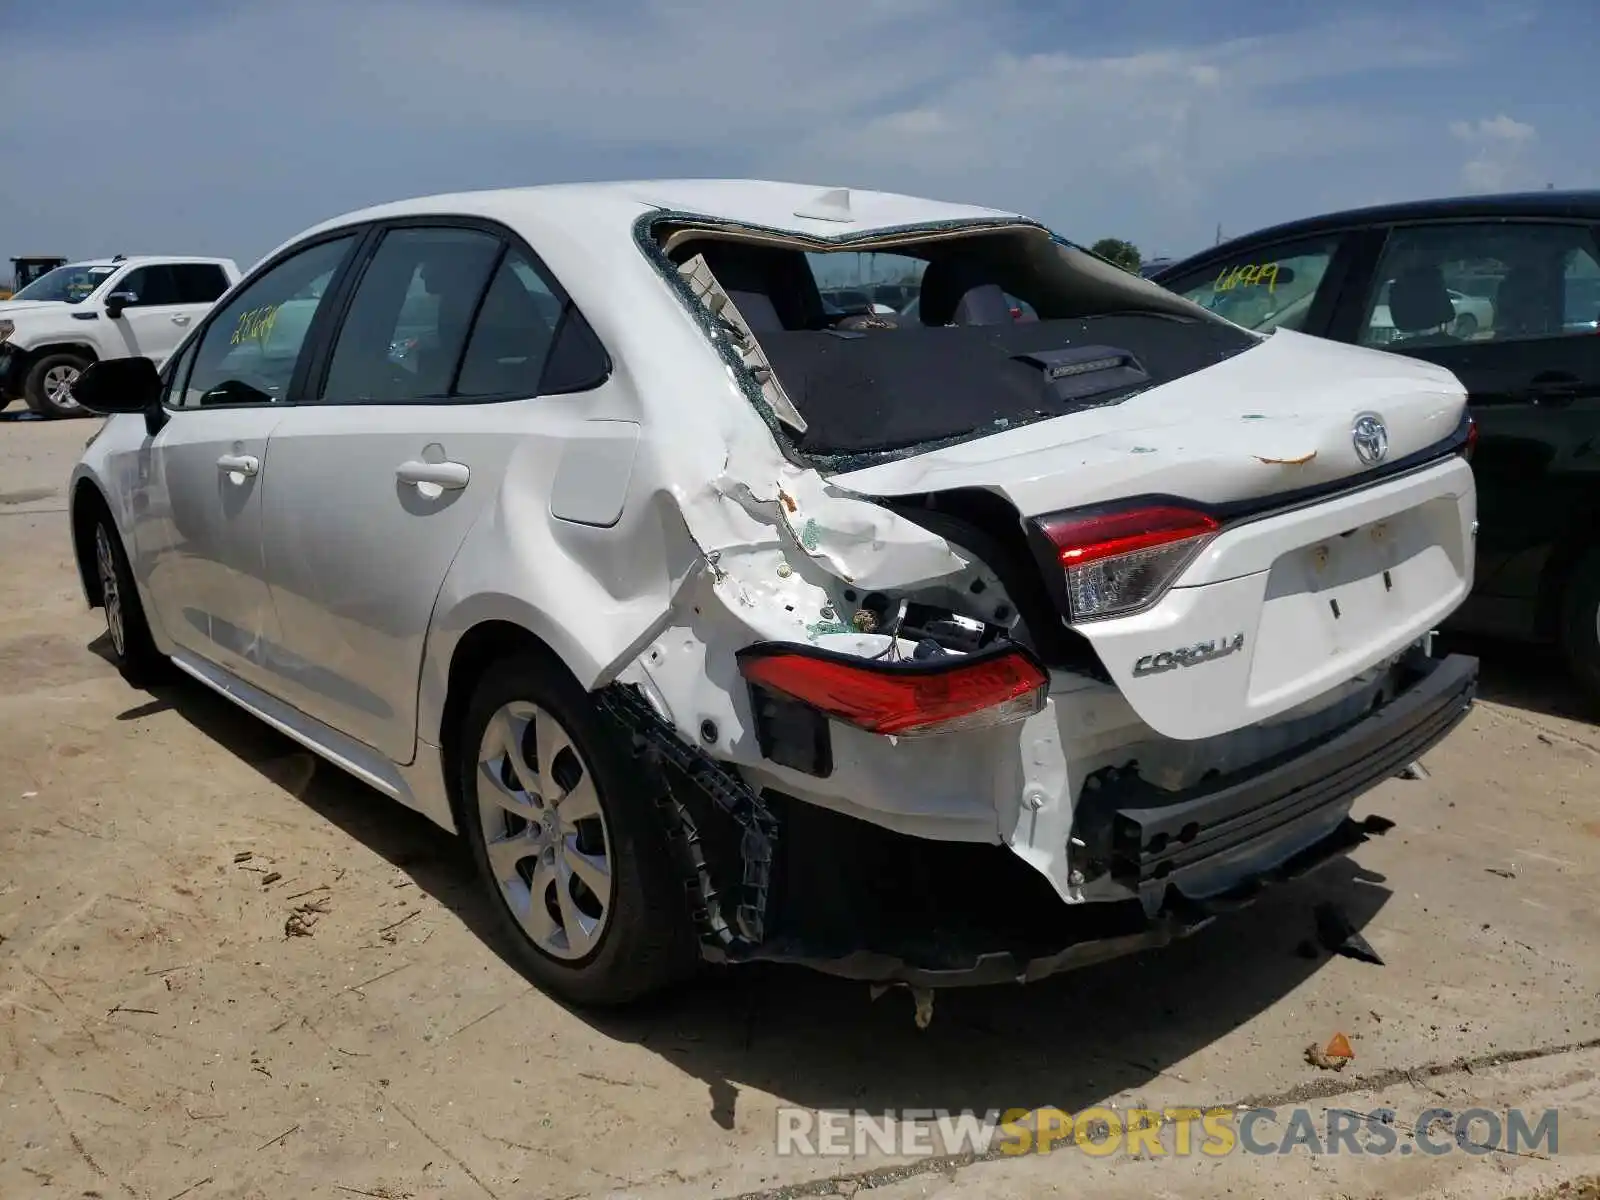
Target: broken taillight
1121, 561
906, 699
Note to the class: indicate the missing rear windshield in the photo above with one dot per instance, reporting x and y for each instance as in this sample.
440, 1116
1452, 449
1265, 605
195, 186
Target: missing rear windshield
868, 351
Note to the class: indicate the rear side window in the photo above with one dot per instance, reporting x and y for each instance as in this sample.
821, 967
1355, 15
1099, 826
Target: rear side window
1271, 287
1504, 281
412, 312
512, 336
198, 283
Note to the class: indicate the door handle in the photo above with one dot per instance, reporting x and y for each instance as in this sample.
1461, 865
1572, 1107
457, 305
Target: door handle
1555, 387
442, 474
179, 319
243, 464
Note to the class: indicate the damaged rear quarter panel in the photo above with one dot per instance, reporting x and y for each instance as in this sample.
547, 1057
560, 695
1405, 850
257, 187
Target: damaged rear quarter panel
709, 497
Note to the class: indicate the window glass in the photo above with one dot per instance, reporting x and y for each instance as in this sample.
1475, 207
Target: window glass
858, 281
247, 354
70, 284
1494, 282
149, 286
403, 335
172, 387
198, 283
1265, 289
512, 336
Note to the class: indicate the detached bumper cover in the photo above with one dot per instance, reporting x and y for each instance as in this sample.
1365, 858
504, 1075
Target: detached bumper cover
1196, 844
1175, 861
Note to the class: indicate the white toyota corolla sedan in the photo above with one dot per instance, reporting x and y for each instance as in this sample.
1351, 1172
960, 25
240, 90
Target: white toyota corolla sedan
726, 625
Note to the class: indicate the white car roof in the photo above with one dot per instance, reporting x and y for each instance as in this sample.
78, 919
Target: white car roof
610, 209
134, 260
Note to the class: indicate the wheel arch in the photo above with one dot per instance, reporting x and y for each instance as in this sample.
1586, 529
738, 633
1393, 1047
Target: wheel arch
1580, 540
488, 641
88, 503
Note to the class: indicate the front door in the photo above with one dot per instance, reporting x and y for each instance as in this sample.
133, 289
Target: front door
1510, 307
197, 529
429, 390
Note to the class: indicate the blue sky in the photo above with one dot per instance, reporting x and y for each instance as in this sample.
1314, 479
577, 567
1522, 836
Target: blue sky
209, 127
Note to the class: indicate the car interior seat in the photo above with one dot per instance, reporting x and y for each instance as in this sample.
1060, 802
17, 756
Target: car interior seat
956, 291
1419, 302
772, 287
1523, 304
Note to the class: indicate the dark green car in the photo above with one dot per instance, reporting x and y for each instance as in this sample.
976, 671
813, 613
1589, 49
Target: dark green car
1505, 292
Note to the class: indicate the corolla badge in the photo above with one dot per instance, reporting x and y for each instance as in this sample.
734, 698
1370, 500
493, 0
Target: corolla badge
1371, 439
1189, 656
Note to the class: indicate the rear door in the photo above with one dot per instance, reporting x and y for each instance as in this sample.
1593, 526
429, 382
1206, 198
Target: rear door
429, 388
1511, 308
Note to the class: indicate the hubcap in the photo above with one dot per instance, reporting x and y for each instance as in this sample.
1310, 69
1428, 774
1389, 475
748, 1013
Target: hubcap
110, 597
548, 844
58, 383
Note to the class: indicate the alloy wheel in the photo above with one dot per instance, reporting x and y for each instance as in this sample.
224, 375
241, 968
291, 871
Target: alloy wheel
544, 830
110, 595
58, 383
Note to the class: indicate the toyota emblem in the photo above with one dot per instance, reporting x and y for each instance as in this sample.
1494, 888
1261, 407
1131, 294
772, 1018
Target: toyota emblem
1371, 439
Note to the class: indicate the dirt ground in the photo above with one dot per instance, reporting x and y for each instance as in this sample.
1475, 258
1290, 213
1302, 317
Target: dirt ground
162, 1035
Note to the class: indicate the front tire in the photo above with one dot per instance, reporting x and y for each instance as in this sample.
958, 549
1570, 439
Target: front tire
132, 647
1580, 623
564, 838
1466, 326
48, 388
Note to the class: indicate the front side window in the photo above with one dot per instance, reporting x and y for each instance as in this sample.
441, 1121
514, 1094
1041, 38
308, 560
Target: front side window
1446, 284
145, 287
70, 284
1265, 289
412, 312
248, 352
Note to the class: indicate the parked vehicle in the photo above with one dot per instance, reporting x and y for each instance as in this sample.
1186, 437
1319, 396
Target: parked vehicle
106, 308
945, 651
27, 268
1504, 291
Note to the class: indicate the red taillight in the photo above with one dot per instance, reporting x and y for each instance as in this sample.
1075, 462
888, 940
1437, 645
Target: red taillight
903, 698
1119, 562
1083, 540
1472, 440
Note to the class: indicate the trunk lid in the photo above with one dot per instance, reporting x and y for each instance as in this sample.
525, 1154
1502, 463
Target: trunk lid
1285, 602
1276, 418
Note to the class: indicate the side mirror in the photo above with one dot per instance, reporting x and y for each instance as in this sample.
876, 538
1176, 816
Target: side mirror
118, 301
118, 385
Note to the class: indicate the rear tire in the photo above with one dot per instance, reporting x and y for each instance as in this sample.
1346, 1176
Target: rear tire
48, 388
570, 850
1580, 623
132, 647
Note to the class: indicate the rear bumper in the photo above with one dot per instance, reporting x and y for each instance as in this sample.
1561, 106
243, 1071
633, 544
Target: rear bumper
1206, 843
1168, 864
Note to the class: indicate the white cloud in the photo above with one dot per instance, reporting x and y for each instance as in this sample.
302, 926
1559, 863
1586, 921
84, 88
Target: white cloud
1502, 159
262, 119
1493, 129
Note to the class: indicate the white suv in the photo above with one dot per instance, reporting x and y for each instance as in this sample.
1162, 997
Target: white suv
939, 650
103, 308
